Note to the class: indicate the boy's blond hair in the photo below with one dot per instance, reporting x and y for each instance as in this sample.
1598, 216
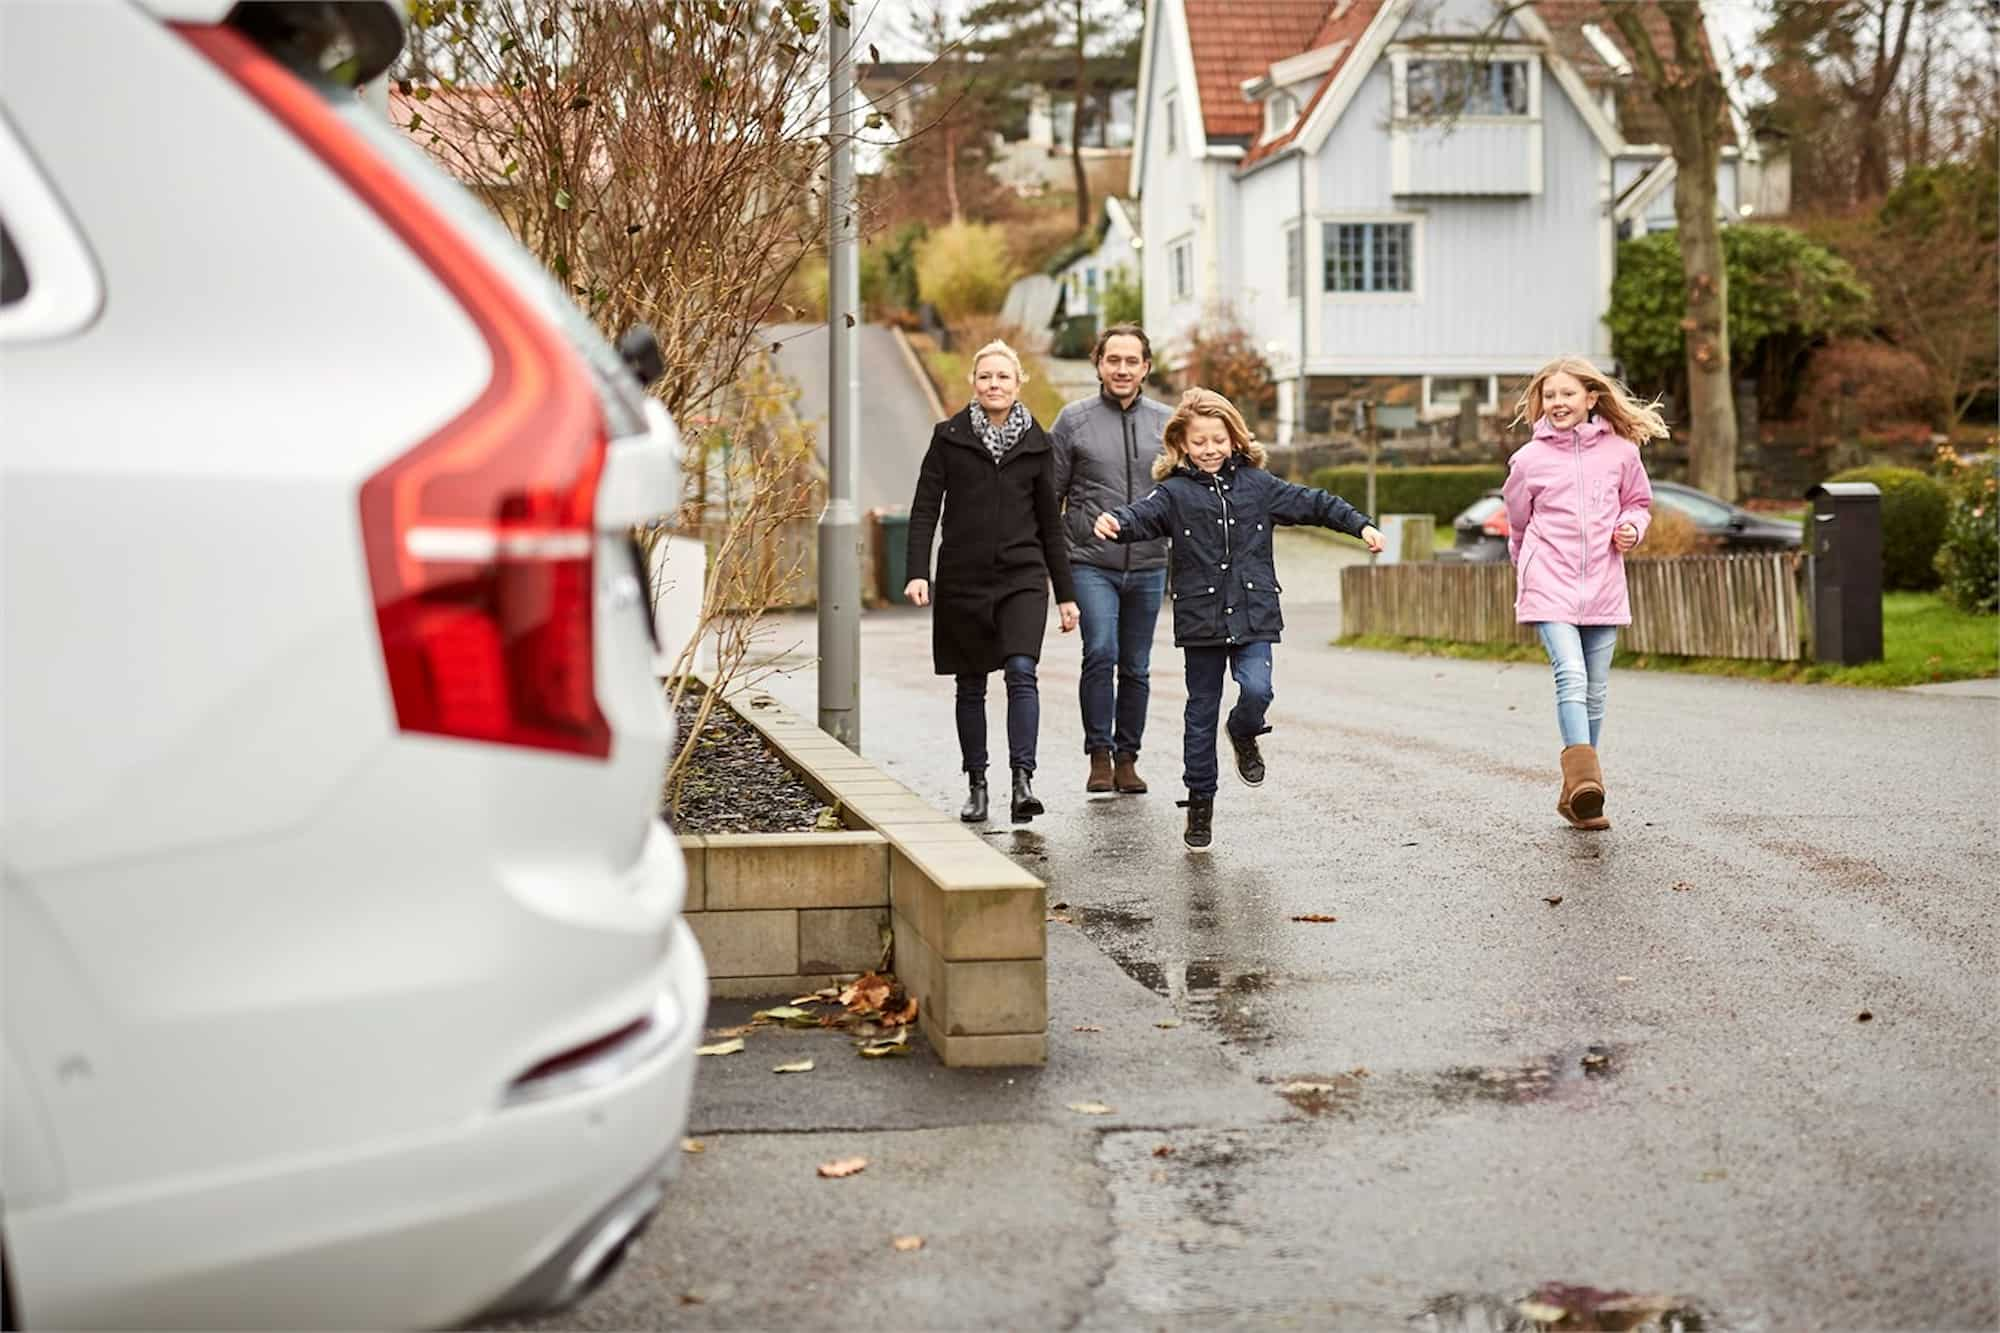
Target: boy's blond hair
1203, 403
1631, 419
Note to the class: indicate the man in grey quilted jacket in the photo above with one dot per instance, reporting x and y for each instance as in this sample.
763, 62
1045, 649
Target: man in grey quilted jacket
1104, 449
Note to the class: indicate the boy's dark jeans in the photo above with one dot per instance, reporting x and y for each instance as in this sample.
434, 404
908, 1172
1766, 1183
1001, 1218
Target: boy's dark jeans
1250, 664
1118, 611
1024, 715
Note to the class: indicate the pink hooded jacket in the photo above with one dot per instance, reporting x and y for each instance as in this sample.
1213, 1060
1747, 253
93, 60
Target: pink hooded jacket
1567, 491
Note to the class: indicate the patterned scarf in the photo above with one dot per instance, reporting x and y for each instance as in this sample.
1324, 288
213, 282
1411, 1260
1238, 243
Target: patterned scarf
999, 439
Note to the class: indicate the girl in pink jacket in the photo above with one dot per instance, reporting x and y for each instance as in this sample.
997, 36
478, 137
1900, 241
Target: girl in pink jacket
1577, 500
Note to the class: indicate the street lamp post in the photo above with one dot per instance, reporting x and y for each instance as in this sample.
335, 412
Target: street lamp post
840, 522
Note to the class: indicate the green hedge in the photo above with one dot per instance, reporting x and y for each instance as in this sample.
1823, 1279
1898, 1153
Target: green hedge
1440, 492
1913, 514
1968, 558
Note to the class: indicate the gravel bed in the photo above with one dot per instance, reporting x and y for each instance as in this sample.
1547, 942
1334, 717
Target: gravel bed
735, 782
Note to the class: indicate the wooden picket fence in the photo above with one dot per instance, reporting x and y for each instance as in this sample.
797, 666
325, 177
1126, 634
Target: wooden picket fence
1694, 605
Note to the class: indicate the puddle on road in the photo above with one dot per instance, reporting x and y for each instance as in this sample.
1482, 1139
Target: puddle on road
1210, 991
1559, 1307
1566, 1077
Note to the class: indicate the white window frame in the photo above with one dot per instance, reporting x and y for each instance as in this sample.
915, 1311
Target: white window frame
1170, 113
1281, 109
1295, 253
1434, 410
1177, 293
1399, 73
1414, 296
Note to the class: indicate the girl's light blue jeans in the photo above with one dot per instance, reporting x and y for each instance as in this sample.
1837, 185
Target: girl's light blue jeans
1581, 656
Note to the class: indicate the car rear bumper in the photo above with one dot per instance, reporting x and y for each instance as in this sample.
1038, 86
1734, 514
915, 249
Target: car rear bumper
520, 1208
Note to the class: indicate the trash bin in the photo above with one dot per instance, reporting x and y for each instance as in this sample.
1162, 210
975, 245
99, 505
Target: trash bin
892, 552
1844, 578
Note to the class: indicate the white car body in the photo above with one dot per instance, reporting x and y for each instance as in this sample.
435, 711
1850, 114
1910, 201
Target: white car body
315, 1015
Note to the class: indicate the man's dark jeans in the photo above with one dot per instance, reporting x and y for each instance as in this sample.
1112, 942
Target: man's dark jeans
1024, 715
1118, 610
1250, 663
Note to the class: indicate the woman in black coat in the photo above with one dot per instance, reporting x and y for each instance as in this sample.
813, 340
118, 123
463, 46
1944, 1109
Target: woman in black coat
990, 472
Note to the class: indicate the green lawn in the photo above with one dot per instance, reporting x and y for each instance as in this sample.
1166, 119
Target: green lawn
1923, 640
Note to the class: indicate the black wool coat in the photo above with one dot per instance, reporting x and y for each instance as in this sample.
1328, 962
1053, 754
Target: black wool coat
1225, 582
1002, 546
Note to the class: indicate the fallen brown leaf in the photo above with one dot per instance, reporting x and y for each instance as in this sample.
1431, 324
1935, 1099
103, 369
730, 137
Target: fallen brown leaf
1316, 917
723, 1034
1086, 1027
867, 992
1865, 1016
908, 1243
1682, 886
793, 1067
1168, 1023
730, 1047
1555, 901
693, 1145
845, 1166
1164, 1150
901, 1017
1090, 1108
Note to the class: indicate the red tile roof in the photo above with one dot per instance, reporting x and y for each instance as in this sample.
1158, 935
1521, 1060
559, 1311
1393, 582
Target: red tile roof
1343, 23
1234, 40
1237, 40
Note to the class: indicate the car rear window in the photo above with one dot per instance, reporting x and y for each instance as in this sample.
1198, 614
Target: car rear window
13, 273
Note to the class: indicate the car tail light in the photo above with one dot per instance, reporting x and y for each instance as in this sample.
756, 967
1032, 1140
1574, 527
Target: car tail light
479, 540
1496, 523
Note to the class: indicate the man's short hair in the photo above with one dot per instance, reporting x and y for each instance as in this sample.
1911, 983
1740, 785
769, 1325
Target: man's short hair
1122, 331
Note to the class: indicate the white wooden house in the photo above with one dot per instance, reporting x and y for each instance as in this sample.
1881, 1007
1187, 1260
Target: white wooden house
1295, 176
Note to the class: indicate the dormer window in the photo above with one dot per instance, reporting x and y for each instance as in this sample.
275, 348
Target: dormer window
1280, 110
1456, 88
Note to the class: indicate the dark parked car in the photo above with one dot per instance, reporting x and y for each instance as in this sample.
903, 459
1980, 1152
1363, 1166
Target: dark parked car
1480, 532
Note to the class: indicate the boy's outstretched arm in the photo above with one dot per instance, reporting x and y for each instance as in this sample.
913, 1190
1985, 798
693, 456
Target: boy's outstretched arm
1311, 506
1149, 516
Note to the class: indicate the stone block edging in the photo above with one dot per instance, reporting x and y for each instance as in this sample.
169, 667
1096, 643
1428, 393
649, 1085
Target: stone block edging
968, 925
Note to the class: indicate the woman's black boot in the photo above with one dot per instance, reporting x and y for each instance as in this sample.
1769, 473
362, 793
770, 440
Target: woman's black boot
1026, 807
974, 810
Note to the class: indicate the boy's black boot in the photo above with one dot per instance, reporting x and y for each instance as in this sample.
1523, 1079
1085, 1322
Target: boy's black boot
1025, 805
1249, 761
974, 809
1200, 822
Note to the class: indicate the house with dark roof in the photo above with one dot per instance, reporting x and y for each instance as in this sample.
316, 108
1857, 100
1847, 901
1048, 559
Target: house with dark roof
1410, 203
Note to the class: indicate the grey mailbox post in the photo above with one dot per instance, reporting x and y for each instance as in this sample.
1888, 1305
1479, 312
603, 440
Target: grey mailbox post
1844, 542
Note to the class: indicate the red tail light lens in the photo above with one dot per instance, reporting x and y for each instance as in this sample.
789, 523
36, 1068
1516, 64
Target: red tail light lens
479, 541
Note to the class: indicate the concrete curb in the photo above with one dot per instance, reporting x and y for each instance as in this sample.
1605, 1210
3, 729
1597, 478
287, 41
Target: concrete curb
923, 376
968, 925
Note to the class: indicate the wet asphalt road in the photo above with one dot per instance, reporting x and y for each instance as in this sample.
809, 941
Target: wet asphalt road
1457, 1091
895, 415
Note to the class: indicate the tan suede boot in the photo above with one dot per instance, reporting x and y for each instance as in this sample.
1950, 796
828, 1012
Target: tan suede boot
1582, 799
1100, 771
1126, 776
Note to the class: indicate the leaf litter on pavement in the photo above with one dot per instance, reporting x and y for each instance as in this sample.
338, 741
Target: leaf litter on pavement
842, 1167
875, 1009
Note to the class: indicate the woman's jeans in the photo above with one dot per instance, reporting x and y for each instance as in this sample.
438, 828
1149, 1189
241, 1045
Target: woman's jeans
1118, 609
1024, 715
1250, 663
1581, 656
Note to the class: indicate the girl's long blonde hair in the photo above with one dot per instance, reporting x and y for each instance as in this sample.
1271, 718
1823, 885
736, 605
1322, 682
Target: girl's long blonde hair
1203, 403
1631, 419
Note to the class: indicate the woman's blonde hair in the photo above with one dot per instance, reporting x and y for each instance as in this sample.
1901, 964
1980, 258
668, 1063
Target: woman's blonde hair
996, 348
1203, 403
1631, 419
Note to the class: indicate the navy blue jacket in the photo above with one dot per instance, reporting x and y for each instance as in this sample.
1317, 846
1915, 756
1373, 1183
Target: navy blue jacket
1225, 585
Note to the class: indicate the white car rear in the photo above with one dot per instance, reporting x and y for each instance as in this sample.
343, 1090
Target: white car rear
345, 980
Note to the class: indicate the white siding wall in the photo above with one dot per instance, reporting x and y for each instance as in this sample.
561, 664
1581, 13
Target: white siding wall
1501, 285
1268, 201
1171, 191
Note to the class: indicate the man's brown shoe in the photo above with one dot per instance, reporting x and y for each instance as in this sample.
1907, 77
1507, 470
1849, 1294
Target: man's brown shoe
1127, 778
1100, 771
